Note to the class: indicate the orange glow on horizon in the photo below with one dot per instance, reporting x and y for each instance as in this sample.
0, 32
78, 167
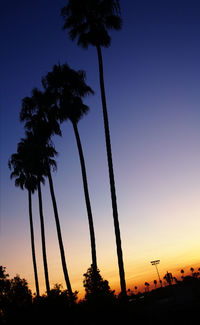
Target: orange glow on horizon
143, 273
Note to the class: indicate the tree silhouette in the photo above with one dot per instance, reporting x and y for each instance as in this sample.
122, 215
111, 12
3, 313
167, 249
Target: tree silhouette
168, 278
4, 289
155, 283
69, 87
97, 290
24, 179
182, 272
89, 22
39, 114
15, 298
147, 285
30, 148
19, 293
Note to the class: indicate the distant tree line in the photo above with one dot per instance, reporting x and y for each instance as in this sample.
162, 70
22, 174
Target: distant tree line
18, 305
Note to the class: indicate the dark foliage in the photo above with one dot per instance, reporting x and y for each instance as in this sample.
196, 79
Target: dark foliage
172, 304
97, 290
90, 20
15, 297
68, 87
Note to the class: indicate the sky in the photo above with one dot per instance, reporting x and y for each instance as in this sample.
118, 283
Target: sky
152, 80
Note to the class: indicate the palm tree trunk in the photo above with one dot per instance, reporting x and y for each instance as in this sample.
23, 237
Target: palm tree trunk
62, 253
87, 198
43, 239
111, 176
33, 244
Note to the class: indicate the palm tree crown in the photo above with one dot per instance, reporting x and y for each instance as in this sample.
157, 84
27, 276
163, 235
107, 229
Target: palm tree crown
21, 173
90, 20
68, 86
25, 166
39, 114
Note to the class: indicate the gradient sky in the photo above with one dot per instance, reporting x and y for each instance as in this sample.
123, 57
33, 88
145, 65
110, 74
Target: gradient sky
152, 79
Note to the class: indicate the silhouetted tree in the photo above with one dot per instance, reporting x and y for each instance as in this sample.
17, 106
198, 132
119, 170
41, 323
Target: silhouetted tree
97, 290
19, 293
155, 283
147, 285
89, 22
4, 289
192, 270
62, 297
39, 113
182, 272
15, 297
31, 150
168, 278
24, 179
69, 87
3, 274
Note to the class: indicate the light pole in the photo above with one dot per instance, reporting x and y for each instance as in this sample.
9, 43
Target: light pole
156, 262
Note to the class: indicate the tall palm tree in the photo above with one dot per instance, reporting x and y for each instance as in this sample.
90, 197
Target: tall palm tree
89, 21
37, 112
30, 148
182, 272
24, 179
69, 87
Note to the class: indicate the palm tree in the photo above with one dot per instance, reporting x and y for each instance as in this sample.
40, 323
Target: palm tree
182, 272
147, 285
24, 179
69, 87
89, 22
155, 283
39, 114
30, 148
48, 153
42, 125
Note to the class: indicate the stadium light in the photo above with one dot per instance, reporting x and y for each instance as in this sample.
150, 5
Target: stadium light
156, 262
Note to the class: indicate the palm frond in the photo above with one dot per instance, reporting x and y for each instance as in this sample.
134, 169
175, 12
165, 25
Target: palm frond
89, 21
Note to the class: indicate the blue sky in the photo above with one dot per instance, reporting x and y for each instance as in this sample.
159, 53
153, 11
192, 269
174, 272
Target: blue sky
152, 79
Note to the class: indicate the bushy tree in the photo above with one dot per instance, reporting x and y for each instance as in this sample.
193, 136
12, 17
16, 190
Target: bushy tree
4, 289
15, 297
19, 293
4, 282
58, 295
97, 290
168, 278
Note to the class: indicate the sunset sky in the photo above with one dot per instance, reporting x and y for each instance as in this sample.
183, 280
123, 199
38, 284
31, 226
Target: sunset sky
152, 80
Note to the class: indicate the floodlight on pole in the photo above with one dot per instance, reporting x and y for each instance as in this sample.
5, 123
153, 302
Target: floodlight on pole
156, 262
